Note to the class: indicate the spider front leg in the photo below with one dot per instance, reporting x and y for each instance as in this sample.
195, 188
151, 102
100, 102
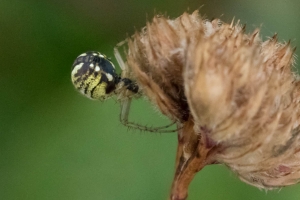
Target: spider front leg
118, 56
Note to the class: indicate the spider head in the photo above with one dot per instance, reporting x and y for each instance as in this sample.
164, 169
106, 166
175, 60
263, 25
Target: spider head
94, 75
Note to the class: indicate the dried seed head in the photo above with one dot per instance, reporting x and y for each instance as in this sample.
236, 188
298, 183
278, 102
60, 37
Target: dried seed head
240, 93
243, 95
157, 58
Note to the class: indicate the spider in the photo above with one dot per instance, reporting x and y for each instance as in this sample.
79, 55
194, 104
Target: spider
94, 75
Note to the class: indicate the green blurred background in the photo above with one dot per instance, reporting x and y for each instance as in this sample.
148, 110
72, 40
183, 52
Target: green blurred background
56, 144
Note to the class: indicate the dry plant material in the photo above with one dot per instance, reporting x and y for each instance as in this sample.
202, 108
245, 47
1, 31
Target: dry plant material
234, 95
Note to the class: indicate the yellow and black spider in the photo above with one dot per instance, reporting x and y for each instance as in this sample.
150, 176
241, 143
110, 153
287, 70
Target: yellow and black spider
94, 75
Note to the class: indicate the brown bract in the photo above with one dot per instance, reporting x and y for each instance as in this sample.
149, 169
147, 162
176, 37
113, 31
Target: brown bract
235, 96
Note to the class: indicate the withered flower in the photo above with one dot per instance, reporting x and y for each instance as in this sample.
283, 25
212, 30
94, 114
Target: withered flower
235, 97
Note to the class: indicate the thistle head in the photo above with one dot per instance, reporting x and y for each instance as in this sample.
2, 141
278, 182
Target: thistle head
239, 94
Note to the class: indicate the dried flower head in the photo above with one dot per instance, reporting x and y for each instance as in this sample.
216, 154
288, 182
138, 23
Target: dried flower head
235, 96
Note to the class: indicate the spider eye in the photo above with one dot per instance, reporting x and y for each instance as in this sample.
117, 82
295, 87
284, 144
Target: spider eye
94, 75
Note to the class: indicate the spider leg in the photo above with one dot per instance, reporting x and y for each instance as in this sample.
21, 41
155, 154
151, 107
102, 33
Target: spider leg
153, 129
125, 107
119, 57
126, 101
